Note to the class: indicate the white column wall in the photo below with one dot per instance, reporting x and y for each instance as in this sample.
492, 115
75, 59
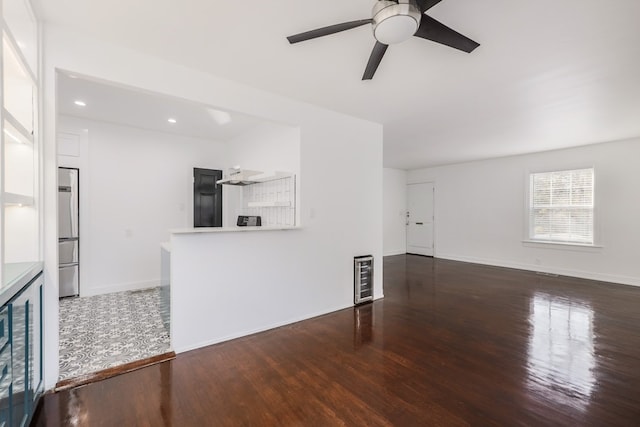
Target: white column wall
394, 211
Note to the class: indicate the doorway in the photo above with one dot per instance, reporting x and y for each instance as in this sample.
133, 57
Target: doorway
98, 333
207, 198
137, 185
420, 218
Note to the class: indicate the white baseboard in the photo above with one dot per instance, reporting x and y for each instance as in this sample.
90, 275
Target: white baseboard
395, 252
590, 275
256, 330
133, 286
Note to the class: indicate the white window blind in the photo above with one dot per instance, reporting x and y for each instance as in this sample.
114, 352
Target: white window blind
561, 206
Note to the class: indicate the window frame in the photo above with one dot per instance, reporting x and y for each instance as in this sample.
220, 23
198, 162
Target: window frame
529, 240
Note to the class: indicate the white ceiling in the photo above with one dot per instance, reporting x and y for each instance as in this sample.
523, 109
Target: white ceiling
548, 74
123, 105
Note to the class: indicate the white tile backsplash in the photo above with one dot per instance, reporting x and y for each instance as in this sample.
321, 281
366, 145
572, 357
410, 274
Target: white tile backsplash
280, 190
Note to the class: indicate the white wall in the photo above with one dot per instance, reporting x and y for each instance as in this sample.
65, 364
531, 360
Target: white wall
310, 273
394, 211
268, 147
137, 184
480, 212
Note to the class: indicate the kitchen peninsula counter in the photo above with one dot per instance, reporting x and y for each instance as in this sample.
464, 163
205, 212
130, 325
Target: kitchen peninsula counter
228, 282
16, 276
231, 229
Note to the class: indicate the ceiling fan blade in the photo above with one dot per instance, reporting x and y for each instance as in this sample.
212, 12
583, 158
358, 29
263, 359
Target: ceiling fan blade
425, 5
433, 30
374, 60
325, 31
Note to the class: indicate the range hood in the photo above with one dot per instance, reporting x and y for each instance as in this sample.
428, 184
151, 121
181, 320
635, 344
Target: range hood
239, 177
248, 177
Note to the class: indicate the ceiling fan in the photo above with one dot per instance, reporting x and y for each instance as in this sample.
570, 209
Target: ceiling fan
395, 21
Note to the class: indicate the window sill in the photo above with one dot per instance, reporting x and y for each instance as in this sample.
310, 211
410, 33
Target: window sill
561, 245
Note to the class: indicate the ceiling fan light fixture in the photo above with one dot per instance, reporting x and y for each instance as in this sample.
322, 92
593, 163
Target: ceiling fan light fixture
395, 22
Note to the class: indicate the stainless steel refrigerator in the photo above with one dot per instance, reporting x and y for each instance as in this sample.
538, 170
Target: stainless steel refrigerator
68, 235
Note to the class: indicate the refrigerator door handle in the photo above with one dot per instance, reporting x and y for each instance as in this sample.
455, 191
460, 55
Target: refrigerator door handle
69, 264
68, 239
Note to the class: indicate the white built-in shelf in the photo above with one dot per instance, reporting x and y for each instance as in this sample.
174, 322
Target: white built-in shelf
14, 131
13, 199
286, 204
19, 85
20, 27
18, 58
19, 162
20, 237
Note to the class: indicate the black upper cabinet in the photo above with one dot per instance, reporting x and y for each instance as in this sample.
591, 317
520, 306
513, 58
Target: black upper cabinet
207, 198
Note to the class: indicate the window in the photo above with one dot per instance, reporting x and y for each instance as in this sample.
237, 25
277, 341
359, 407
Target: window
561, 206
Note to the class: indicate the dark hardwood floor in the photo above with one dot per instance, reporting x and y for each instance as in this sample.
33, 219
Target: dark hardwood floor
451, 344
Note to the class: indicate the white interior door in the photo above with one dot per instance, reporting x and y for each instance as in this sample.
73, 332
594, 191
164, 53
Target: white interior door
420, 219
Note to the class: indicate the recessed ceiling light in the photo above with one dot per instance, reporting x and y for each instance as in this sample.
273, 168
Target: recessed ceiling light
80, 103
172, 121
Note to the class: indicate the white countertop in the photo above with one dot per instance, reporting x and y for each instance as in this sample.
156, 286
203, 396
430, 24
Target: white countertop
230, 229
16, 276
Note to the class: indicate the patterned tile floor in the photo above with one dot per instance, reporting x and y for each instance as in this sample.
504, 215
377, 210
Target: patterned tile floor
104, 331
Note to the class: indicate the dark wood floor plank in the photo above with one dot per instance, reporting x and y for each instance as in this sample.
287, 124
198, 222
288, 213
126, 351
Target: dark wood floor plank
451, 344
